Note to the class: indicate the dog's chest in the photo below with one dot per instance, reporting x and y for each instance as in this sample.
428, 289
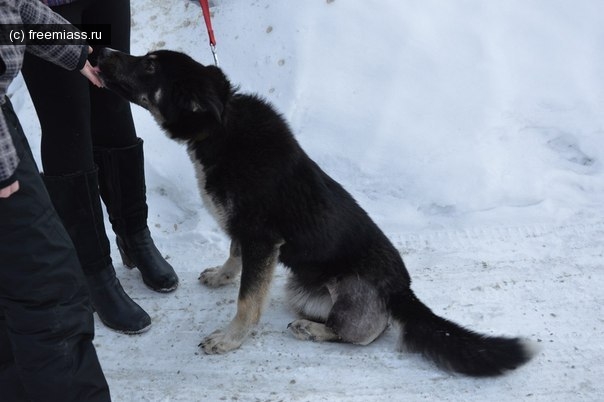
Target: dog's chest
219, 210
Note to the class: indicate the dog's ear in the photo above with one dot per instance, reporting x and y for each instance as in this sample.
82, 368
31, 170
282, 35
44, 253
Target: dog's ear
205, 91
198, 97
220, 91
207, 103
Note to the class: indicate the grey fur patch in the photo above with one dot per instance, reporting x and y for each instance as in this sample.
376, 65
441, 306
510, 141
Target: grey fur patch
313, 304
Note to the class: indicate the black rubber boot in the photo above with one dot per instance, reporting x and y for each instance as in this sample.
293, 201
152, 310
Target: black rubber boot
122, 186
76, 199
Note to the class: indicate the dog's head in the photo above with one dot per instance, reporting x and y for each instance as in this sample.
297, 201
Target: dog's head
185, 97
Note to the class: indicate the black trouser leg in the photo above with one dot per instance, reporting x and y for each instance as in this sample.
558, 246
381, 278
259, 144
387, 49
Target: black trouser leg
62, 102
43, 299
10, 381
112, 125
76, 198
122, 186
75, 117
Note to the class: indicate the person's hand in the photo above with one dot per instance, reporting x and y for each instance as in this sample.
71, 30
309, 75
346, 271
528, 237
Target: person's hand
8, 191
91, 73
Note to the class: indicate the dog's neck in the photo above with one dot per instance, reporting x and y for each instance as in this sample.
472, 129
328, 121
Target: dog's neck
201, 136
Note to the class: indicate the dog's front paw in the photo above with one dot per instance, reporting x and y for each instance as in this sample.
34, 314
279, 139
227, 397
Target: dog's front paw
219, 342
216, 277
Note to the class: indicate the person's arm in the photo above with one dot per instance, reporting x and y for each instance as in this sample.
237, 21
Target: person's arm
8, 161
70, 57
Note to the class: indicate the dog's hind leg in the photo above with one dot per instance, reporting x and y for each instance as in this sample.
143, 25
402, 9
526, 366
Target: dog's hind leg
358, 315
307, 330
225, 274
258, 265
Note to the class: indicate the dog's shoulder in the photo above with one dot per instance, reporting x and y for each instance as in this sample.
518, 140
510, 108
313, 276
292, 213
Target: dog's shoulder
257, 113
253, 124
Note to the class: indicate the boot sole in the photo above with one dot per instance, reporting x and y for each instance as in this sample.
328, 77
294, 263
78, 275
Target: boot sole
123, 331
127, 332
162, 290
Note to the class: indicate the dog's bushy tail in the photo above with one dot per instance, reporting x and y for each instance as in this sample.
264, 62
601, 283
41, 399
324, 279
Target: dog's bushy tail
453, 347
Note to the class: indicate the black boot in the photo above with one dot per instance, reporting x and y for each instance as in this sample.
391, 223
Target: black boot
106, 292
76, 199
122, 186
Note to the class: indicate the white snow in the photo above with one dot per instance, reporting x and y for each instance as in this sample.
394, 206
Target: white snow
471, 131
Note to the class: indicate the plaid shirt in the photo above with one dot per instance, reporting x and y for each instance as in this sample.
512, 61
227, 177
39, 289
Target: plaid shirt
70, 57
52, 3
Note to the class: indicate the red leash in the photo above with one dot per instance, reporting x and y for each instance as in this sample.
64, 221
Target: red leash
206, 16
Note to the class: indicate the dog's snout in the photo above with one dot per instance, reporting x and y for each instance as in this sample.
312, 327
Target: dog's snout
107, 53
104, 52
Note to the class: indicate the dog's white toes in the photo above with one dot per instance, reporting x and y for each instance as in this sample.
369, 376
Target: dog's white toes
218, 342
215, 277
312, 331
301, 329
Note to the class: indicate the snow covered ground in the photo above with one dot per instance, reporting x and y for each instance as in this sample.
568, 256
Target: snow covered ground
471, 131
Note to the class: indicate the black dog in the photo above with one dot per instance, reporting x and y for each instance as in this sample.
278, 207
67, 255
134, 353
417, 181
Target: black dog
277, 205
